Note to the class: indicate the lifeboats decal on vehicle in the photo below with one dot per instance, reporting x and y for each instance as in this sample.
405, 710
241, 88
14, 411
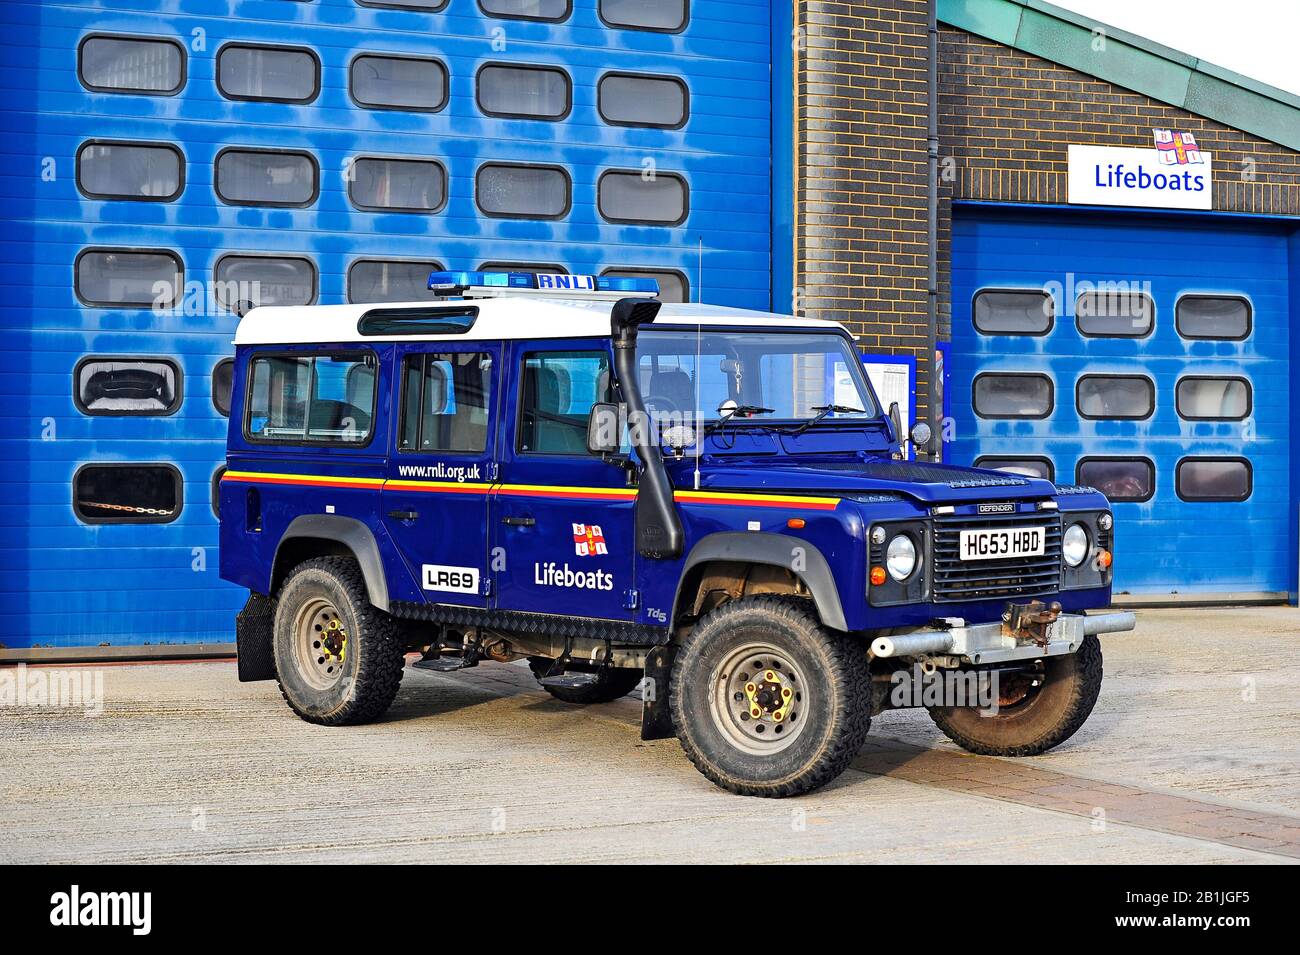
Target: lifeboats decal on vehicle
725, 498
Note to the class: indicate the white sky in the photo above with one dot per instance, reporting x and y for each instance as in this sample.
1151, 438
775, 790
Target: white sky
1256, 38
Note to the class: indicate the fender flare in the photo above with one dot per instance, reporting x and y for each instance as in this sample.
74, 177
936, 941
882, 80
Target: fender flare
776, 550
350, 532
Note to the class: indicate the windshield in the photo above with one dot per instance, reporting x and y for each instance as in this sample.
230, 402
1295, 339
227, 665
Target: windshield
752, 376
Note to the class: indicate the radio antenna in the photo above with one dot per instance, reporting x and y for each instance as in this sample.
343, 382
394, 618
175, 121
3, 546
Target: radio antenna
699, 335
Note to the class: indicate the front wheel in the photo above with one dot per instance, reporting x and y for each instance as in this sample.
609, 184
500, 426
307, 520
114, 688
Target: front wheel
766, 701
1035, 711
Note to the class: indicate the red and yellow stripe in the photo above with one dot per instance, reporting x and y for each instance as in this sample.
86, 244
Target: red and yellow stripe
551, 491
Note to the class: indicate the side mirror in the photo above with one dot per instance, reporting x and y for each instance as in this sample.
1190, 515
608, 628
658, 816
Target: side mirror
896, 421
605, 427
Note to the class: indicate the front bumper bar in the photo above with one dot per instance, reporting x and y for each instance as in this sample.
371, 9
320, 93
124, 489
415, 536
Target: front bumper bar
986, 642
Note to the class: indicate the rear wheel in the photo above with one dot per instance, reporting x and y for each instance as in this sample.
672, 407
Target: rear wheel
1035, 712
609, 683
766, 701
339, 658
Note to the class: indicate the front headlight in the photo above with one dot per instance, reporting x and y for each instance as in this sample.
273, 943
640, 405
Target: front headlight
1074, 545
900, 557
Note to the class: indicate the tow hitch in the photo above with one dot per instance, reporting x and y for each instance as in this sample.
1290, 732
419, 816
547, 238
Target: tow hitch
1030, 622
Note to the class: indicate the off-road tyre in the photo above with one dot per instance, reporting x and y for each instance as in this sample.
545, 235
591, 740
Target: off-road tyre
372, 662
1047, 718
611, 683
833, 697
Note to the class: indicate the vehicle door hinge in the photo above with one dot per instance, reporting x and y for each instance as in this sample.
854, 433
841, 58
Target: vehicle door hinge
492, 470
486, 588
630, 599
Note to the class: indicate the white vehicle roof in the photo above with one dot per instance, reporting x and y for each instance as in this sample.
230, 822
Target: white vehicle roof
507, 317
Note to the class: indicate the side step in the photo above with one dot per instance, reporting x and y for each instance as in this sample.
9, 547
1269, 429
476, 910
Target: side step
444, 664
569, 681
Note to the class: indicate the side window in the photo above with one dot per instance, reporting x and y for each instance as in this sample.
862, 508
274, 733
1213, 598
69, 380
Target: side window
311, 399
445, 402
558, 390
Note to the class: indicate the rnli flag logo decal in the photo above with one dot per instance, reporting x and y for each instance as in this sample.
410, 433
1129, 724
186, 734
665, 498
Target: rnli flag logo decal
1177, 148
589, 540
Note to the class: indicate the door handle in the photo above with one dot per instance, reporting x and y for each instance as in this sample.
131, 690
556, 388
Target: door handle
519, 521
403, 515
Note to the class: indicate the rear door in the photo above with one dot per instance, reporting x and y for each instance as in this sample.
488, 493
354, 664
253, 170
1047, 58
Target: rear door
561, 518
435, 501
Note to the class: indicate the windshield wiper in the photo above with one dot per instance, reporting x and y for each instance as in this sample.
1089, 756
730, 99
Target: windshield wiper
822, 412
739, 411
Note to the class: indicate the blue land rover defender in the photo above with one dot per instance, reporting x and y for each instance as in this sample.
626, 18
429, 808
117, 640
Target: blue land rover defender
563, 470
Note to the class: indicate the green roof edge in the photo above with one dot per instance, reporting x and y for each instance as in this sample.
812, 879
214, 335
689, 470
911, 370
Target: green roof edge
1132, 62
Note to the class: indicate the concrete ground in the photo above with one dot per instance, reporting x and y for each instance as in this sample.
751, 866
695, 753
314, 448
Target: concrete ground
1192, 755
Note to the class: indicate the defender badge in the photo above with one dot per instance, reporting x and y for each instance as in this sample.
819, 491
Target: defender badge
997, 509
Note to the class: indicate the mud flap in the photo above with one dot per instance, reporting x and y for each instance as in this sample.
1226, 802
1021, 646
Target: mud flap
656, 720
253, 639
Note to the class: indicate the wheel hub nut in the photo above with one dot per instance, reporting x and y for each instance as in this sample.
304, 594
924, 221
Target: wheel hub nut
768, 696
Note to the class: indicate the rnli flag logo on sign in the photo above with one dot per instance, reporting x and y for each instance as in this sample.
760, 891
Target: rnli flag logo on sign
589, 540
1176, 148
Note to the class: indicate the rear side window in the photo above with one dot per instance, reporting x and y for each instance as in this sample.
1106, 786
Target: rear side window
127, 493
311, 399
559, 389
127, 386
445, 402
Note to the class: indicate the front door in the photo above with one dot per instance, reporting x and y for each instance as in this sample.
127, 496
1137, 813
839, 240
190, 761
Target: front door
435, 501
561, 518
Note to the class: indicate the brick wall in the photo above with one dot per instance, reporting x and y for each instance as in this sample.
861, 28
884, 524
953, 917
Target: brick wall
1006, 119
860, 190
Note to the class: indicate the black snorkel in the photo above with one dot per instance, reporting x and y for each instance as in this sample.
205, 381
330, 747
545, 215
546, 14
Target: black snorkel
658, 528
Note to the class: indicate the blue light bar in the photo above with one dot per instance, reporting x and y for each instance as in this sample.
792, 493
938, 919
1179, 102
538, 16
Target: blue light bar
452, 283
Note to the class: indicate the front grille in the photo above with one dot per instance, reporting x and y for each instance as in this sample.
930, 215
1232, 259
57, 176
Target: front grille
958, 580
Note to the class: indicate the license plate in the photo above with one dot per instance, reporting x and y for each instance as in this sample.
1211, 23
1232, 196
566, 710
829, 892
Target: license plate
1003, 543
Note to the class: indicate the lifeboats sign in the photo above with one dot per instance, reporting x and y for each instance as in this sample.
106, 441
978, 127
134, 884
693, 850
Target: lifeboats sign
1120, 176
